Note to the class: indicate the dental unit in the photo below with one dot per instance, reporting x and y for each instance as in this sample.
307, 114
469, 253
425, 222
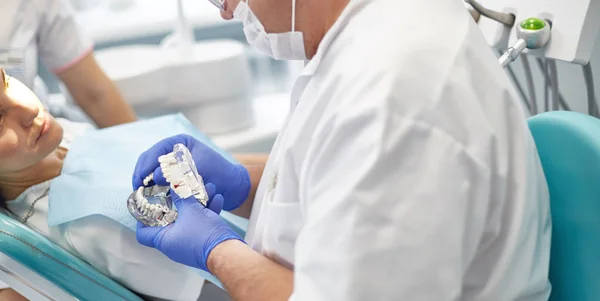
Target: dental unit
204, 80
152, 204
548, 32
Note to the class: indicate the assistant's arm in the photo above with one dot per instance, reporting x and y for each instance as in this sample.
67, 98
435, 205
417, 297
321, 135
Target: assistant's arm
96, 94
67, 51
255, 164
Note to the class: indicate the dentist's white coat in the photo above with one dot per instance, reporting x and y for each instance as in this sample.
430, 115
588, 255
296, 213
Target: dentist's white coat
405, 170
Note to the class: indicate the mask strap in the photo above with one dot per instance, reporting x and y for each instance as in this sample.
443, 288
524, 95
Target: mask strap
293, 15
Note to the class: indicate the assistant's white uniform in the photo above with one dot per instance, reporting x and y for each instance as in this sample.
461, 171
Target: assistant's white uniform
406, 170
45, 30
109, 246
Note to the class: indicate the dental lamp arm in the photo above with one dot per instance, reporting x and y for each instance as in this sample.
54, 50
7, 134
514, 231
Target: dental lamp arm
96, 94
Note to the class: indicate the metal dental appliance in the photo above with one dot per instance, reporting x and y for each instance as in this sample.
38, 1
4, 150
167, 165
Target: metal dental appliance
152, 205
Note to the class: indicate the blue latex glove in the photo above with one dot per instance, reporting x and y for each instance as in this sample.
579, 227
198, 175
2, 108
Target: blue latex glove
232, 180
195, 233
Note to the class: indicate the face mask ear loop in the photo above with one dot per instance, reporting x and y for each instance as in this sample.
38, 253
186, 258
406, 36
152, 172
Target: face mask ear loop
293, 15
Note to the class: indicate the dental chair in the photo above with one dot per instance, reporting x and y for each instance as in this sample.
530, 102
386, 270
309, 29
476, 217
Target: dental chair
40, 270
569, 148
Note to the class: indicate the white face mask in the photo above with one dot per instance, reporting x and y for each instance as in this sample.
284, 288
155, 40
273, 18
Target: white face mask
280, 46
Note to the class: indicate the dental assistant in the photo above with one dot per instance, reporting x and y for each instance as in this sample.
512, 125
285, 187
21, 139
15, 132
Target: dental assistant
404, 171
46, 30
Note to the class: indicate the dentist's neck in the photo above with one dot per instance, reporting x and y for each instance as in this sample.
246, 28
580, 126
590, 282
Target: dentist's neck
14, 183
326, 12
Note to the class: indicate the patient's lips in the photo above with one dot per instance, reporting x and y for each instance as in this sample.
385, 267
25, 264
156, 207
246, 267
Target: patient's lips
46, 124
44, 121
40, 126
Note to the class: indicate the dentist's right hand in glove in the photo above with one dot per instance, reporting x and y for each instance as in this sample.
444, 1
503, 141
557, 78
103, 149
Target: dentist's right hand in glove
232, 180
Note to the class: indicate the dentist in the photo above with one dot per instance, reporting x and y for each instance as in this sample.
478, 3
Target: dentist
405, 170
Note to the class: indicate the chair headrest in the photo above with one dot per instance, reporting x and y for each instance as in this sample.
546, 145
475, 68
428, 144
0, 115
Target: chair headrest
569, 147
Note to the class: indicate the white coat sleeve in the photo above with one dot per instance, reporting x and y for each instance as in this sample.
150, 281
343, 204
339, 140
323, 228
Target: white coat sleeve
395, 209
61, 41
113, 250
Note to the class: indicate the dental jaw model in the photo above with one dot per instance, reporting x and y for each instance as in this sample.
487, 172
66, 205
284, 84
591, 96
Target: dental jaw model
180, 171
152, 205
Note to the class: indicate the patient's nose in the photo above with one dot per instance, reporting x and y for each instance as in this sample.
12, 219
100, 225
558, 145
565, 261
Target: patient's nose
24, 111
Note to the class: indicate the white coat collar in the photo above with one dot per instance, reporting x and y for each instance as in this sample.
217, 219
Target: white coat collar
351, 9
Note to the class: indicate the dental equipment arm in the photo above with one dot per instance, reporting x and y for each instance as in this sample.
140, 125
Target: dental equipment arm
96, 94
561, 99
547, 84
532, 33
511, 74
474, 14
506, 19
530, 86
554, 85
591, 93
512, 53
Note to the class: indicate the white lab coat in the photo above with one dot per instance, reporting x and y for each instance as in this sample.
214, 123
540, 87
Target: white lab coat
44, 30
109, 246
406, 170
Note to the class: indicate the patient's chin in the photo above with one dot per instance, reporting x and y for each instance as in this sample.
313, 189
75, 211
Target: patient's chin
52, 138
56, 133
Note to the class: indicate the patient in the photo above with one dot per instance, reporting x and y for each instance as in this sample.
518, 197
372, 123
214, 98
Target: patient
33, 146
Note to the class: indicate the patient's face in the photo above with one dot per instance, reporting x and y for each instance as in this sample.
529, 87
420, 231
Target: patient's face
27, 131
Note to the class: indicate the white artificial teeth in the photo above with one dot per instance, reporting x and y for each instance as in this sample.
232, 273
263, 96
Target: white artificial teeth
139, 194
167, 159
151, 204
148, 179
141, 203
